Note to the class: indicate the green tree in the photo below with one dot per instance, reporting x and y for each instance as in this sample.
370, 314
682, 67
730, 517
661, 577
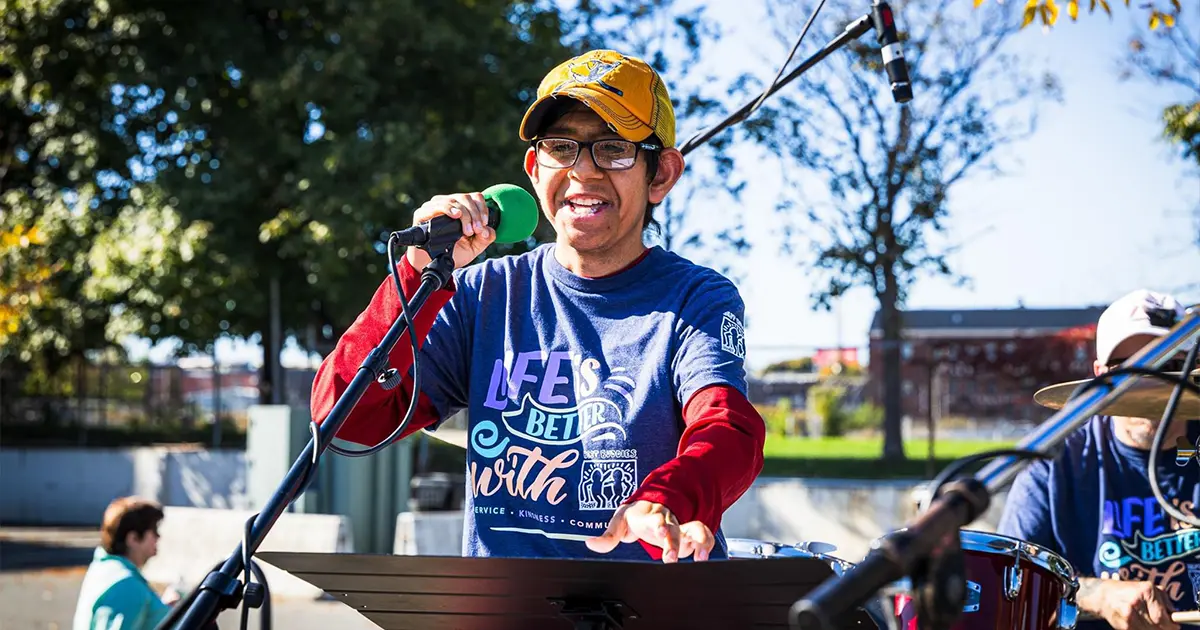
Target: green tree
317, 131
869, 182
271, 141
63, 174
803, 364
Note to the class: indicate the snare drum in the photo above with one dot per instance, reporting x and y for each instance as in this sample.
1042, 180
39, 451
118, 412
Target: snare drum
748, 548
758, 549
1011, 584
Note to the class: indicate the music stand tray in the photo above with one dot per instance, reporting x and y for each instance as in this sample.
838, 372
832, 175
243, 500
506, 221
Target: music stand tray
453, 593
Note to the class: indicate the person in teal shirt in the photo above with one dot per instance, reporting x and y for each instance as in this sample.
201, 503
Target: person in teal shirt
115, 595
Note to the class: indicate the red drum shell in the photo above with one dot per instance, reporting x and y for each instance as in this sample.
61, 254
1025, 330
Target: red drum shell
1044, 593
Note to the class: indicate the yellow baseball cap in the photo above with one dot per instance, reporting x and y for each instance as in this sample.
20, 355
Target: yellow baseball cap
625, 91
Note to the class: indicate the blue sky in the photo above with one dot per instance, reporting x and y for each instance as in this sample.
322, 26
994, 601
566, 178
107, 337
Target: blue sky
1100, 205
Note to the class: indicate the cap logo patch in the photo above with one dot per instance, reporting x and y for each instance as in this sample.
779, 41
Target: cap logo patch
593, 71
1162, 317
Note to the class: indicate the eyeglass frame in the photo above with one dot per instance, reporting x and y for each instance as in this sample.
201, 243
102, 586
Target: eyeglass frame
1171, 365
638, 147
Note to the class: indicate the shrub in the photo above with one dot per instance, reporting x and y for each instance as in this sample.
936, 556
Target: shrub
825, 401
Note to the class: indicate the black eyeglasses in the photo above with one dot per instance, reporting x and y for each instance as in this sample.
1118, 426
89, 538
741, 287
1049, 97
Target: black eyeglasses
609, 155
1174, 365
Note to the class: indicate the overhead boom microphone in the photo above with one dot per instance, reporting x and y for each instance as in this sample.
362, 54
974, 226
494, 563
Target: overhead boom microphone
512, 212
893, 53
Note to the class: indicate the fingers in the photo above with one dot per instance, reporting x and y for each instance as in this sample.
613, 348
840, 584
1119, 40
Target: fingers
670, 531
472, 212
470, 208
697, 539
656, 525
1158, 612
617, 530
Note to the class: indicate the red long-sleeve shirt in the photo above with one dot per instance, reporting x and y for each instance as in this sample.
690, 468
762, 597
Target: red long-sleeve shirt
719, 453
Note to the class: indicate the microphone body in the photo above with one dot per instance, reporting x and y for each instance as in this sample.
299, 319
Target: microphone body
512, 213
893, 54
437, 230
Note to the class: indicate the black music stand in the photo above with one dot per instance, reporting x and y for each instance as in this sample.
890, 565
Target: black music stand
452, 593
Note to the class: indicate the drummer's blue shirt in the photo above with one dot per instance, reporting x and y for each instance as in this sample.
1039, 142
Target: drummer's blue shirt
1092, 505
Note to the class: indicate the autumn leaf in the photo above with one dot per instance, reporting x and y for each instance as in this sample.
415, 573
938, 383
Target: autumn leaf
1073, 9
1050, 13
1031, 8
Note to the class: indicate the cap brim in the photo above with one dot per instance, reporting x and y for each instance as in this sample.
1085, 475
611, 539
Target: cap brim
1150, 332
1146, 398
616, 115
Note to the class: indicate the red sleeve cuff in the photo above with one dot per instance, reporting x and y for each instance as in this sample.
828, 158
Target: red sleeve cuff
720, 454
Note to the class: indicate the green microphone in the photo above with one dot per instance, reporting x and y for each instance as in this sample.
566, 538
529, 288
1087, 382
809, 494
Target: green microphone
512, 212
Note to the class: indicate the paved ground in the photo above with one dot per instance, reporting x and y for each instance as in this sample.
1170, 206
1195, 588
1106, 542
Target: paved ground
41, 569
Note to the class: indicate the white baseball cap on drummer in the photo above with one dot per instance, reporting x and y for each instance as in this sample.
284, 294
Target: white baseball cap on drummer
1132, 321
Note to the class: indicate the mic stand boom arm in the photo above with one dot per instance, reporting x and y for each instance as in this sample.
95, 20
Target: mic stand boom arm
852, 32
929, 545
221, 588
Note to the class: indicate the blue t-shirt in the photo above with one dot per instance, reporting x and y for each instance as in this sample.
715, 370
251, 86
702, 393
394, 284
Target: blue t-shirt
1092, 505
574, 389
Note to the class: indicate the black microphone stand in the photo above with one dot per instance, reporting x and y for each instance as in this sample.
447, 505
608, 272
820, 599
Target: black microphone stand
221, 589
928, 549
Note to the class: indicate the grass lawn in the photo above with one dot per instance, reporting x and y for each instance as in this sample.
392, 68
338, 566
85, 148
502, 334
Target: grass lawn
829, 458
857, 458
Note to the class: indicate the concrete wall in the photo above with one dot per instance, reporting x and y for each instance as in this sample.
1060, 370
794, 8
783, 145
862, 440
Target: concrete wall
73, 486
65, 486
846, 514
193, 540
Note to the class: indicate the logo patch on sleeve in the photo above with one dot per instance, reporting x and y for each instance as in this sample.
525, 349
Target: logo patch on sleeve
733, 336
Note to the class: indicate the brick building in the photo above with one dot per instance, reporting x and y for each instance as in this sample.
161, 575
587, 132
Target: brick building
985, 364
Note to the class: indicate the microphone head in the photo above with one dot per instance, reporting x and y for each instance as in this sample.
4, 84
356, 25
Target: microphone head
518, 212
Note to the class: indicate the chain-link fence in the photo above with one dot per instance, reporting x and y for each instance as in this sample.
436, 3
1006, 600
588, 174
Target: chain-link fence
100, 402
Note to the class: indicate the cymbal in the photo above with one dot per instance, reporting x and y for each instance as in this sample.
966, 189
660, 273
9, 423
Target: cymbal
1147, 398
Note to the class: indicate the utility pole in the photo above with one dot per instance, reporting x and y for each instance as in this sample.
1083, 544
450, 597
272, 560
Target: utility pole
216, 387
276, 344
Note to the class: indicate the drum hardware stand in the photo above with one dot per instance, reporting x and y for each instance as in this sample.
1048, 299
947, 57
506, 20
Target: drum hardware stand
914, 550
592, 614
939, 585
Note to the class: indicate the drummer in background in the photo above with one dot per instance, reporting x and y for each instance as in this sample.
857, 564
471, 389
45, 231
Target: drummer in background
1092, 504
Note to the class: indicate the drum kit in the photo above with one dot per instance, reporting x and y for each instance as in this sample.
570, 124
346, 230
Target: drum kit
1011, 584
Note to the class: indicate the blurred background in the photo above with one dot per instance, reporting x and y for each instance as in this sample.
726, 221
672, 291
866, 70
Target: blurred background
194, 202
